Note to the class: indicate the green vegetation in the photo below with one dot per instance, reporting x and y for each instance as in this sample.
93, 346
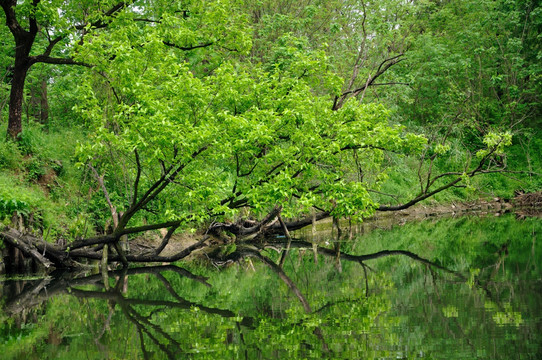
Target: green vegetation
220, 116
223, 125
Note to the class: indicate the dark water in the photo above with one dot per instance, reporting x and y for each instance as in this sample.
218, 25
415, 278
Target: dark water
468, 288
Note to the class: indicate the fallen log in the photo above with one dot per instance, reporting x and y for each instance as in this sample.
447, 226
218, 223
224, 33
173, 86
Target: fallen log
21, 242
53, 256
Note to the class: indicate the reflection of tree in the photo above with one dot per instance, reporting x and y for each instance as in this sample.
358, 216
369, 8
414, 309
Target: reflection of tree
457, 277
253, 251
62, 283
47, 288
317, 326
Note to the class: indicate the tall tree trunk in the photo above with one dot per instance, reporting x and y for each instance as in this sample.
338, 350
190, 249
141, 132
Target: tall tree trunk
24, 40
15, 126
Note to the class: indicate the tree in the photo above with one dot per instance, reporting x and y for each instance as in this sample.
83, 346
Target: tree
473, 65
362, 39
191, 133
40, 29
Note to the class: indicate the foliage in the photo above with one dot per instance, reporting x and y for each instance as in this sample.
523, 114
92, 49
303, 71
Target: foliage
207, 115
38, 181
249, 135
474, 65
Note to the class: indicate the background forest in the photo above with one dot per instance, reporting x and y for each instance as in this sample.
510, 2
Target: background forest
192, 115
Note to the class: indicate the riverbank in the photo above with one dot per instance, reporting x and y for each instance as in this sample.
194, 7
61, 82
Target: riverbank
523, 205
321, 232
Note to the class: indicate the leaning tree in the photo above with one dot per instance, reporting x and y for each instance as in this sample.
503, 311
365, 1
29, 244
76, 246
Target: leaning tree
190, 133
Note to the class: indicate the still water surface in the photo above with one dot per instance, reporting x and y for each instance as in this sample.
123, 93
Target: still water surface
468, 288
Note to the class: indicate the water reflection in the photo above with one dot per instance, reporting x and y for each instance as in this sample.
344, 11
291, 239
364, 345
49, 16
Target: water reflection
384, 304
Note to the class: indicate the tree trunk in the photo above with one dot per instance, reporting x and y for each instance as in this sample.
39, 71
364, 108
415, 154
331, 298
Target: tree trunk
24, 40
15, 126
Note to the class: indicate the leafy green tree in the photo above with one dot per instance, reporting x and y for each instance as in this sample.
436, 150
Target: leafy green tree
42, 32
195, 127
474, 65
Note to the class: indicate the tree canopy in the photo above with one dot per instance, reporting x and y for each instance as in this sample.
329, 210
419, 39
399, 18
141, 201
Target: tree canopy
225, 114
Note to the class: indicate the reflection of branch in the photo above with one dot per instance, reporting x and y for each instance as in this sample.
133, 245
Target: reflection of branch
179, 304
140, 321
330, 304
445, 320
366, 279
362, 258
287, 234
142, 341
49, 287
278, 270
106, 325
136, 319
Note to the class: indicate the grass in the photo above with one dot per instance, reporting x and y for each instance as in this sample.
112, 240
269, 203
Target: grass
40, 182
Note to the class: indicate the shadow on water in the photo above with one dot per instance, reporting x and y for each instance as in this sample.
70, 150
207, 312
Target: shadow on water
470, 288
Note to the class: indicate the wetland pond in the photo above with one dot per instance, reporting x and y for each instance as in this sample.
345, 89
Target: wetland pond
456, 288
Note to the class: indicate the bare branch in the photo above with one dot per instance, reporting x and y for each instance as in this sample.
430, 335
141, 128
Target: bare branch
165, 240
187, 48
112, 208
148, 20
382, 68
138, 175
51, 45
54, 60
15, 239
158, 187
390, 83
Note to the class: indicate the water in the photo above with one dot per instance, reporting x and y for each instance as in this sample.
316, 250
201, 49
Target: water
470, 289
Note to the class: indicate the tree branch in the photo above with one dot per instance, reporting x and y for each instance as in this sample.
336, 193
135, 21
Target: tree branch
113, 209
11, 18
138, 175
98, 24
187, 48
54, 60
382, 68
158, 187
